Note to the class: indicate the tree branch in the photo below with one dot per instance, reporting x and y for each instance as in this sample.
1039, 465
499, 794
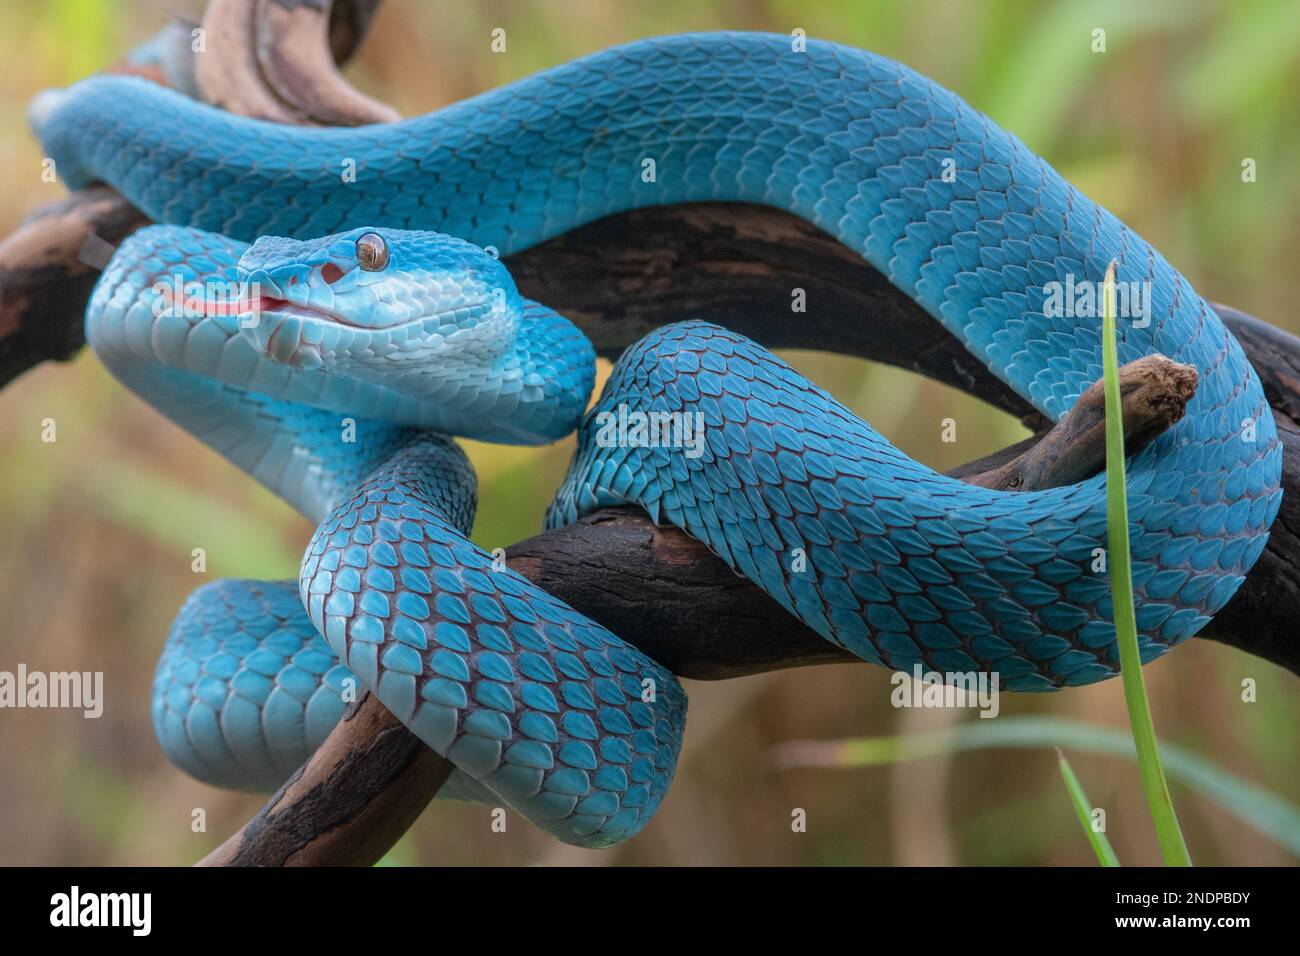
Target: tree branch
272, 59
621, 277
349, 803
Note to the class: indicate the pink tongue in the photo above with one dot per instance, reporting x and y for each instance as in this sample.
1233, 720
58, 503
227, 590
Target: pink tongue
196, 305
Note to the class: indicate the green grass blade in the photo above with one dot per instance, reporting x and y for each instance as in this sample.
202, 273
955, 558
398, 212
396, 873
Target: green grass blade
1168, 832
1261, 809
1083, 810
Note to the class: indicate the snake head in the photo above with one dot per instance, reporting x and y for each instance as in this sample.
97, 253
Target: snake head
377, 304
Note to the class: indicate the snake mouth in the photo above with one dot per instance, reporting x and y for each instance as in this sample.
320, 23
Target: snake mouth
310, 337
266, 304
259, 304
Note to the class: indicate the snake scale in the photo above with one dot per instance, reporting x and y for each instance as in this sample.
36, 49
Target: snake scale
353, 309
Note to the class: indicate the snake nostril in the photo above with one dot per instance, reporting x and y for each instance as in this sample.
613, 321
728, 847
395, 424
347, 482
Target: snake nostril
331, 273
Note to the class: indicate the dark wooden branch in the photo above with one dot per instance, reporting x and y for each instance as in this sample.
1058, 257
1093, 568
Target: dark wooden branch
349, 803
738, 265
1154, 392
1261, 617
48, 267
735, 264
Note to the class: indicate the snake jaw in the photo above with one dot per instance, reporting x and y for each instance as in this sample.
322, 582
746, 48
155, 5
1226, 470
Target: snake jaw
284, 332
303, 337
286, 320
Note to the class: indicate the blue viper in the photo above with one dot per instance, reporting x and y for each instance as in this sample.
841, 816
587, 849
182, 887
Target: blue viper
404, 336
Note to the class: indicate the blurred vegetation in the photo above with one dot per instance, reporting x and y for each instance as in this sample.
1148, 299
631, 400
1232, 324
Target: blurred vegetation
98, 527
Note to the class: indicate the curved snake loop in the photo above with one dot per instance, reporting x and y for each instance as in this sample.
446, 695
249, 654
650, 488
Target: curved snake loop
536, 705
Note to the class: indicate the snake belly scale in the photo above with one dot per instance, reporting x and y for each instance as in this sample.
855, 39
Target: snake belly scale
364, 306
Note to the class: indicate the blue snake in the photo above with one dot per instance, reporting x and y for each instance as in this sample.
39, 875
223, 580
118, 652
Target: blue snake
337, 367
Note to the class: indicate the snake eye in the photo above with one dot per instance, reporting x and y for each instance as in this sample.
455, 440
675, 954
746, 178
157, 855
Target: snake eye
372, 252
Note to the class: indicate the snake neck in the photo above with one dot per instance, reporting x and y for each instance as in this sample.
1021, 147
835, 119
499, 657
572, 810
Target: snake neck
569, 725
535, 391
435, 471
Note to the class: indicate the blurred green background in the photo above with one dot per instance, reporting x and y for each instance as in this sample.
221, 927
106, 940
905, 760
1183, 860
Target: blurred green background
96, 529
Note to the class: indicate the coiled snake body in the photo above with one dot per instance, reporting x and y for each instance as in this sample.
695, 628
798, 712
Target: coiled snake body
410, 335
